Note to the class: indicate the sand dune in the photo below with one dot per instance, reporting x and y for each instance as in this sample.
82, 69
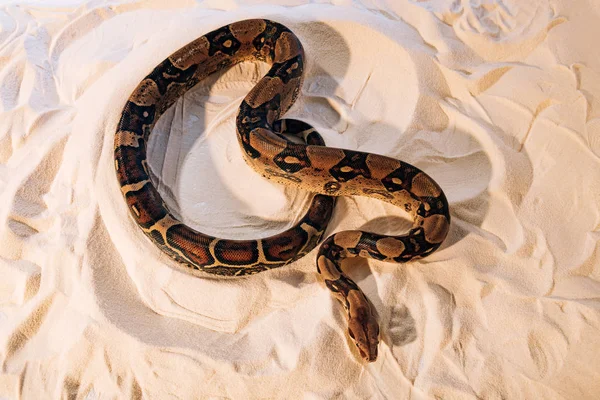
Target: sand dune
497, 100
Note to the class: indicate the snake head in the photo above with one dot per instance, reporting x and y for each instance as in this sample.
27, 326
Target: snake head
362, 326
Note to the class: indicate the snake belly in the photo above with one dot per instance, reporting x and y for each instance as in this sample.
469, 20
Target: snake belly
328, 172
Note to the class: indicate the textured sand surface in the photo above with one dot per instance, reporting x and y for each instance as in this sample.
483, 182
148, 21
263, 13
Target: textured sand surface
498, 100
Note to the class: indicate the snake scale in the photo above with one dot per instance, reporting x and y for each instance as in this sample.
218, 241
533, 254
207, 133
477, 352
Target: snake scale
328, 172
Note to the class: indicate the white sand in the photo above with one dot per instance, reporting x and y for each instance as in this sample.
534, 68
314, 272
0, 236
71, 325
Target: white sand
497, 101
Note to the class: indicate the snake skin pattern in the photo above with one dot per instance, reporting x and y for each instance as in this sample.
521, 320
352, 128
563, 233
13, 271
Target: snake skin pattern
327, 172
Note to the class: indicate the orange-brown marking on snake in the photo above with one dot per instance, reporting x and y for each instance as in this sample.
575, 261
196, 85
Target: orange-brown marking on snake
325, 171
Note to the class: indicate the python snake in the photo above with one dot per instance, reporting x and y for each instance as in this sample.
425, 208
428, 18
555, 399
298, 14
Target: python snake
328, 172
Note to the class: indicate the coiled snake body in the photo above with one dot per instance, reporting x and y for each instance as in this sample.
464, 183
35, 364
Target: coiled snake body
326, 171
